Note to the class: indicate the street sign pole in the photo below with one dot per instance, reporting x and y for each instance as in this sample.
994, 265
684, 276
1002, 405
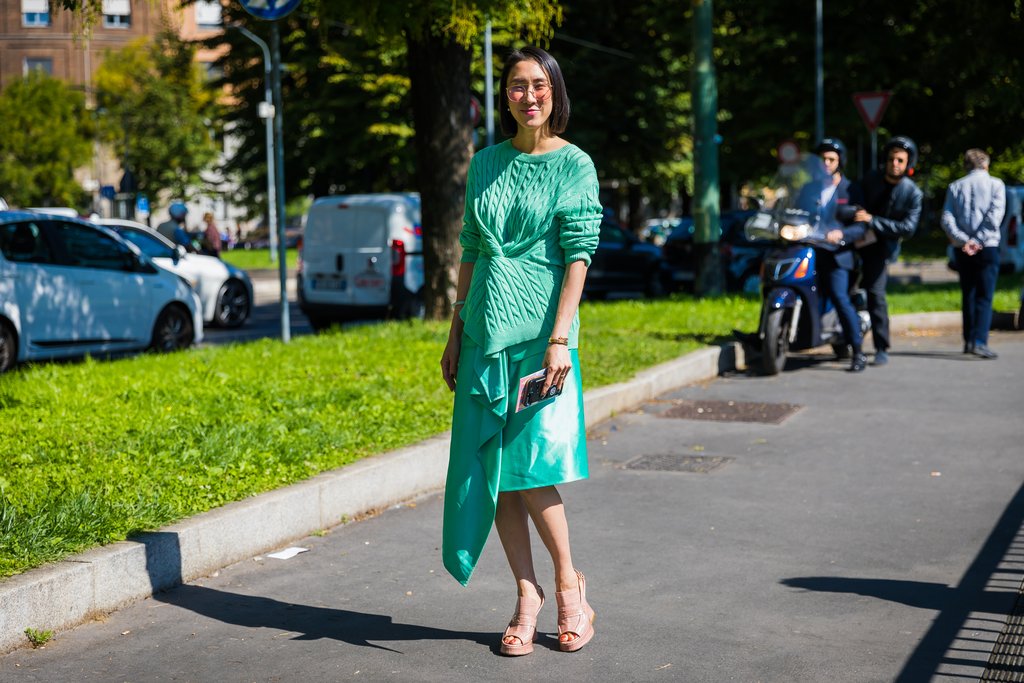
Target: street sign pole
282, 246
488, 86
273, 11
266, 113
819, 78
871, 106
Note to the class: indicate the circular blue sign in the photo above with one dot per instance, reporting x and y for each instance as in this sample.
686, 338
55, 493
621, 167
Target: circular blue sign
269, 9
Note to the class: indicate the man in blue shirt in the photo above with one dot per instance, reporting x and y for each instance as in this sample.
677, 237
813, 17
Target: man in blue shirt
971, 217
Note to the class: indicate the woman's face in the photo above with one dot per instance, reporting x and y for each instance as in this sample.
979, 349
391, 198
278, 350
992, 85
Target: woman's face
528, 82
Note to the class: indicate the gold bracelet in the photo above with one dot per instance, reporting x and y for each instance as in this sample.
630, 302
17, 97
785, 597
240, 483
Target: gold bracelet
564, 341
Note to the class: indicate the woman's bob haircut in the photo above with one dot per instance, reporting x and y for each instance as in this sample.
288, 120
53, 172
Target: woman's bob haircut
559, 97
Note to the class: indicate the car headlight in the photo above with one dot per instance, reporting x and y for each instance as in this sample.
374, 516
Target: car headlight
794, 232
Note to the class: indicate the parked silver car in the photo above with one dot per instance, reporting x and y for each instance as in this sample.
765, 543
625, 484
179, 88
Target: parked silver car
70, 288
225, 291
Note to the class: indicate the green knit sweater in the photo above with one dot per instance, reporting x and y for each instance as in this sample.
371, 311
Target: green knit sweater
527, 217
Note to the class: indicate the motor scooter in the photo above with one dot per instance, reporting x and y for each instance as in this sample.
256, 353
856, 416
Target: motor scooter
794, 313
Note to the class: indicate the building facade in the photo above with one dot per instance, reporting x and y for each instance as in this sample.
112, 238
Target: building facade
33, 35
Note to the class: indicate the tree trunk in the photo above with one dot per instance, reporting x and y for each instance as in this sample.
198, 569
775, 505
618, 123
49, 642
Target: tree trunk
439, 71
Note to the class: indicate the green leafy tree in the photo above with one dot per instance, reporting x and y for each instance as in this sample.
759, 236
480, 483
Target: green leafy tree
438, 37
347, 115
627, 69
157, 110
47, 135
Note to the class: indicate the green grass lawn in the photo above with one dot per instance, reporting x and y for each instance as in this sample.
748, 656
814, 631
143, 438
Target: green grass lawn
256, 259
94, 451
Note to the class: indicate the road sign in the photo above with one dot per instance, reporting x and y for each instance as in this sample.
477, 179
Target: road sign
871, 106
269, 9
788, 152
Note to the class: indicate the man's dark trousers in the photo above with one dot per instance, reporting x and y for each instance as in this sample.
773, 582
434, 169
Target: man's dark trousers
836, 283
873, 279
978, 276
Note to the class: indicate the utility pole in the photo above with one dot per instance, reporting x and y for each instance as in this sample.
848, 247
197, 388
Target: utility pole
282, 246
707, 227
819, 79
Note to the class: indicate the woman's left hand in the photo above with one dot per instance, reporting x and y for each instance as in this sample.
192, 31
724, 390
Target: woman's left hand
558, 364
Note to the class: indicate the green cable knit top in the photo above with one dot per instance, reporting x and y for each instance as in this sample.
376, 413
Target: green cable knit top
527, 217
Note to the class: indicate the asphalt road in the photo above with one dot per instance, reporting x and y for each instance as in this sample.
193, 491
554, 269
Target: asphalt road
872, 535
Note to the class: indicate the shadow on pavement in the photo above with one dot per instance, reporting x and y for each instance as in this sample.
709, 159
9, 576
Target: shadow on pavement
976, 592
308, 622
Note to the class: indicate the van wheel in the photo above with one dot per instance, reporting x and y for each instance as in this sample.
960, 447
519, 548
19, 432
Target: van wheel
233, 304
173, 330
411, 307
8, 347
319, 323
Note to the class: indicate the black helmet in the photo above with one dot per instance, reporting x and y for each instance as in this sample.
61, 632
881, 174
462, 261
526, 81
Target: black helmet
833, 145
907, 145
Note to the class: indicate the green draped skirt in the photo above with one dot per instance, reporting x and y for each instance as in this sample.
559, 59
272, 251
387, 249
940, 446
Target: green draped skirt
496, 449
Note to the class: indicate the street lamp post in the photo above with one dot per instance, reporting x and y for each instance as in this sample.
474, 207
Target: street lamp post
266, 112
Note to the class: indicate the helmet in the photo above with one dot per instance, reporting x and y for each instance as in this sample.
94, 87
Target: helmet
178, 211
832, 145
907, 145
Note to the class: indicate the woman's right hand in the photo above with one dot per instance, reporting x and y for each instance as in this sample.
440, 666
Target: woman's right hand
450, 361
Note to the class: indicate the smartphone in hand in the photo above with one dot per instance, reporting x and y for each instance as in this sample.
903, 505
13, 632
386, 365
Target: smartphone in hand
531, 390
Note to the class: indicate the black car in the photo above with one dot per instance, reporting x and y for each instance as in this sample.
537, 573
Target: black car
622, 263
741, 258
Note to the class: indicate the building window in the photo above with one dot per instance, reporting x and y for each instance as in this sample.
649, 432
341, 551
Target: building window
35, 19
35, 13
117, 13
208, 14
44, 64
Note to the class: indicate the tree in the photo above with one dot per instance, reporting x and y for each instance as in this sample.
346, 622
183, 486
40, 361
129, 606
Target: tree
157, 110
438, 35
626, 65
47, 135
347, 115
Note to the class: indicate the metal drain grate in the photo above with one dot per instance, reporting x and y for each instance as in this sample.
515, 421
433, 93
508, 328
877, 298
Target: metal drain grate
732, 411
677, 463
1006, 662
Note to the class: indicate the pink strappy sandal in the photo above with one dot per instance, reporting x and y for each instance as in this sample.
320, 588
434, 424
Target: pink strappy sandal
523, 626
575, 616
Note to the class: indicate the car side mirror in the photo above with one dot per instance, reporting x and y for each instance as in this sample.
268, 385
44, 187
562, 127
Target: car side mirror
179, 253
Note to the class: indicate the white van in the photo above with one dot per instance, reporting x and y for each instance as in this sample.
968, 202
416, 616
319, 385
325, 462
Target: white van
361, 256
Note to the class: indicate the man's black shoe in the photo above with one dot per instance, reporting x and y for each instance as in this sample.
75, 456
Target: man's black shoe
983, 351
881, 358
859, 362
968, 348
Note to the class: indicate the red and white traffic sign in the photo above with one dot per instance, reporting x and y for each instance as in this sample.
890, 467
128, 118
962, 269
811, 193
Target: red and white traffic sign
788, 152
871, 106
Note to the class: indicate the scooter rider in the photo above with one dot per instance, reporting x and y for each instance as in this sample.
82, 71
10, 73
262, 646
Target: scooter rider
838, 200
892, 208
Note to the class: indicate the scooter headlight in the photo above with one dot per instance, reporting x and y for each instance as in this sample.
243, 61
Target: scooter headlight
793, 233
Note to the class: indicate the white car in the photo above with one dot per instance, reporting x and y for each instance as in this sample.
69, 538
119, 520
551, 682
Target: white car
70, 288
225, 291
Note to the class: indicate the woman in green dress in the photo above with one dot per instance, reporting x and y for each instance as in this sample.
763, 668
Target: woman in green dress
531, 225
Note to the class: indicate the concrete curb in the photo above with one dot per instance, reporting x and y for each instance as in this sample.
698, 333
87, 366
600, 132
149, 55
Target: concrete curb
67, 593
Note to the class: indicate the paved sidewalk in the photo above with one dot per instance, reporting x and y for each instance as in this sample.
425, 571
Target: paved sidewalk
862, 539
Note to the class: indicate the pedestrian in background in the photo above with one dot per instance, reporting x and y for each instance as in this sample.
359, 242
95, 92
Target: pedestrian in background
211, 235
837, 202
892, 208
175, 228
531, 224
971, 217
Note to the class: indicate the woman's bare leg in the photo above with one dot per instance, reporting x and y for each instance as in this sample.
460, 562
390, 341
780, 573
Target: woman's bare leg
511, 521
548, 513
